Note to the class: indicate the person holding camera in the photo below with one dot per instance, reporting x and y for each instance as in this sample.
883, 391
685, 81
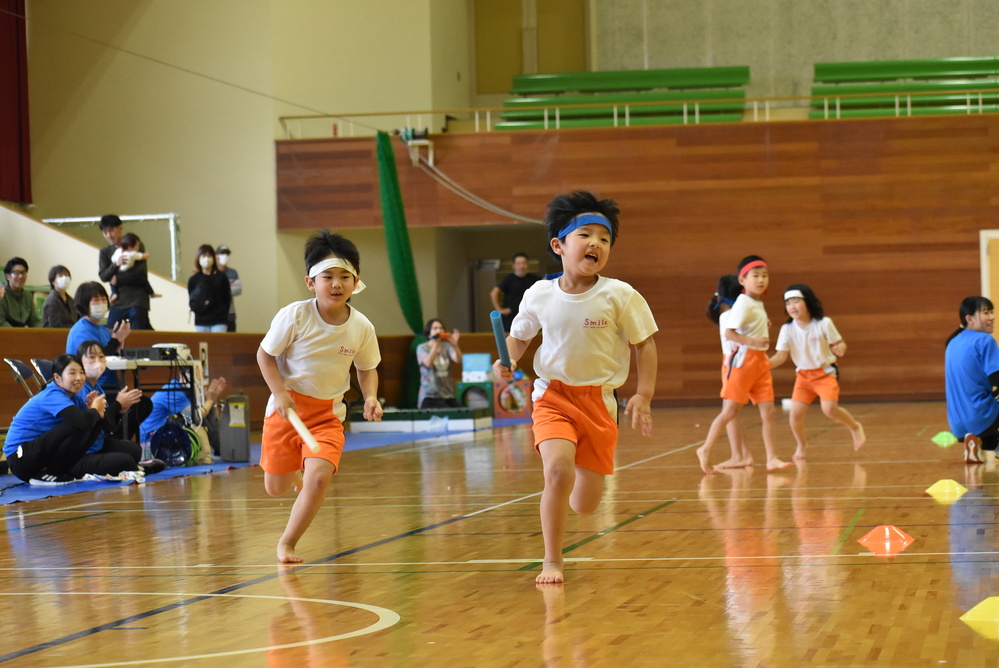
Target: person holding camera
435, 357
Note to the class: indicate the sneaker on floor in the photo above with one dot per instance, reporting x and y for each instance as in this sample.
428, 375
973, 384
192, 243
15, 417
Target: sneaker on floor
51, 479
973, 450
151, 466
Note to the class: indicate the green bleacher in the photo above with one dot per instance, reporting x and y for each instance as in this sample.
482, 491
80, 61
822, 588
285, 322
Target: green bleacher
632, 97
905, 87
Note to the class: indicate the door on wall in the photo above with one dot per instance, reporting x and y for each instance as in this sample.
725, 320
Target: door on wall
483, 281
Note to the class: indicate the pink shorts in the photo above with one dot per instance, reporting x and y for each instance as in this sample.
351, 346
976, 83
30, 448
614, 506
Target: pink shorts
577, 414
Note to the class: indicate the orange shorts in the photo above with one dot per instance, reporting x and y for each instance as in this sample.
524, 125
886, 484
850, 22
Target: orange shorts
283, 451
751, 381
577, 414
811, 383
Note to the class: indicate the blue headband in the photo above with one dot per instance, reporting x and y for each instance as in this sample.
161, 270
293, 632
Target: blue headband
585, 219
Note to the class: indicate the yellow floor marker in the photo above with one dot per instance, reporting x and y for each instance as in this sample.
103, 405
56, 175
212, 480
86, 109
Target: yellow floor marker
984, 618
946, 491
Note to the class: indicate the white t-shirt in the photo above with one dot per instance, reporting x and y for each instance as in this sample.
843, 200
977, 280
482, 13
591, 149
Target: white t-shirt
809, 346
314, 357
586, 336
726, 345
748, 317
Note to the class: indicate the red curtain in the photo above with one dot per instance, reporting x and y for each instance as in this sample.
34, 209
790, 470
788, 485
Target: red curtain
15, 156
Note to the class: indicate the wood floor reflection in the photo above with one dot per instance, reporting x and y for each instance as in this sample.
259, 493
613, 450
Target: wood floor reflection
424, 556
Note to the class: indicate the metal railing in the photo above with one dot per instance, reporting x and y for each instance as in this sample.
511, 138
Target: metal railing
483, 119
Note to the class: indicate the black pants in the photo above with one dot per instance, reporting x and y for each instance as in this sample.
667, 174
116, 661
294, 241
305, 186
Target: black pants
440, 402
990, 437
116, 456
56, 451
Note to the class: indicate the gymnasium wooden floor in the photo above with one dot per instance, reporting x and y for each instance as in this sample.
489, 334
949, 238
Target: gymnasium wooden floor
423, 556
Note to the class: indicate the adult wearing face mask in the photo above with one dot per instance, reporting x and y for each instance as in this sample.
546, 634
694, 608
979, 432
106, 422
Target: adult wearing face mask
222, 254
58, 309
17, 306
208, 293
91, 302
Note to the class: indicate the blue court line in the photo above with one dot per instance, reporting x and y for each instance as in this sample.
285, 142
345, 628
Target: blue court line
225, 590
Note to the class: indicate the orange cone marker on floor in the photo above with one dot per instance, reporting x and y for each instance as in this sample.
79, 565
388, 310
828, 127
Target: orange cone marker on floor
886, 540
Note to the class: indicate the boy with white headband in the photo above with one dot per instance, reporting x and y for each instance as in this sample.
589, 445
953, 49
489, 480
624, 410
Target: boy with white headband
813, 343
588, 322
747, 370
305, 359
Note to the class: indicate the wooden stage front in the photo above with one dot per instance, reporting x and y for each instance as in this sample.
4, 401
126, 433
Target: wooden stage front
425, 554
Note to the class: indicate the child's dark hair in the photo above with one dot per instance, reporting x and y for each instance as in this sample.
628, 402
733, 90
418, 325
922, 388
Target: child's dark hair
128, 240
812, 302
726, 292
430, 323
85, 293
84, 348
749, 259
564, 208
324, 243
969, 307
60, 363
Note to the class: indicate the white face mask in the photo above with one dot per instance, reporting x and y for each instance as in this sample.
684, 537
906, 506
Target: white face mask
62, 282
95, 370
98, 311
206, 261
223, 258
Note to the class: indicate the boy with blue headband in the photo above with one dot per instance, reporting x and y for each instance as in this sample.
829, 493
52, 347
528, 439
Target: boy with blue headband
305, 360
590, 324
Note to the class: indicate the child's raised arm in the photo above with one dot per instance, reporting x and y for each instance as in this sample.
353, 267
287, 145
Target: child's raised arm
368, 380
516, 348
272, 376
640, 404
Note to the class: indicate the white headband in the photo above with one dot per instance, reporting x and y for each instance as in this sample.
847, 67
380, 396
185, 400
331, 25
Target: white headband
793, 293
337, 262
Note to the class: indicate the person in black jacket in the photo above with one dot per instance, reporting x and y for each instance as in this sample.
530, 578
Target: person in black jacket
208, 293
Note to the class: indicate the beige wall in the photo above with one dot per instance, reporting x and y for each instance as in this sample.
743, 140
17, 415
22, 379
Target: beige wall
152, 106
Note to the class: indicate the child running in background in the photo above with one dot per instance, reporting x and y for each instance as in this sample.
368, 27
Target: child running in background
305, 360
588, 321
719, 307
747, 372
814, 344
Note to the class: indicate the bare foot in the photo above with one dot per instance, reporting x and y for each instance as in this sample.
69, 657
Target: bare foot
799, 454
702, 457
735, 463
777, 464
551, 573
286, 554
859, 437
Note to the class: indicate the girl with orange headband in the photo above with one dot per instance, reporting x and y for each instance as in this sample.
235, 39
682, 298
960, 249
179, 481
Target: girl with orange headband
747, 369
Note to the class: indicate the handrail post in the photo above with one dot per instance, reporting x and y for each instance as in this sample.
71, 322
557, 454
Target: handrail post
756, 111
684, 113
546, 118
837, 109
476, 121
897, 108
615, 115
825, 107
627, 115
908, 105
697, 113
558, 118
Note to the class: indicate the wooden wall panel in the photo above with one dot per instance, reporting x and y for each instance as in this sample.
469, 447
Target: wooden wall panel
880, 217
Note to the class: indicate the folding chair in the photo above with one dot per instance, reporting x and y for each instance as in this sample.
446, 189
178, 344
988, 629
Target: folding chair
24, 375
44, 369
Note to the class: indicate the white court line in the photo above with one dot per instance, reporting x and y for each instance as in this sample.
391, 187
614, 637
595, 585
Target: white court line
593, 560
386, 618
